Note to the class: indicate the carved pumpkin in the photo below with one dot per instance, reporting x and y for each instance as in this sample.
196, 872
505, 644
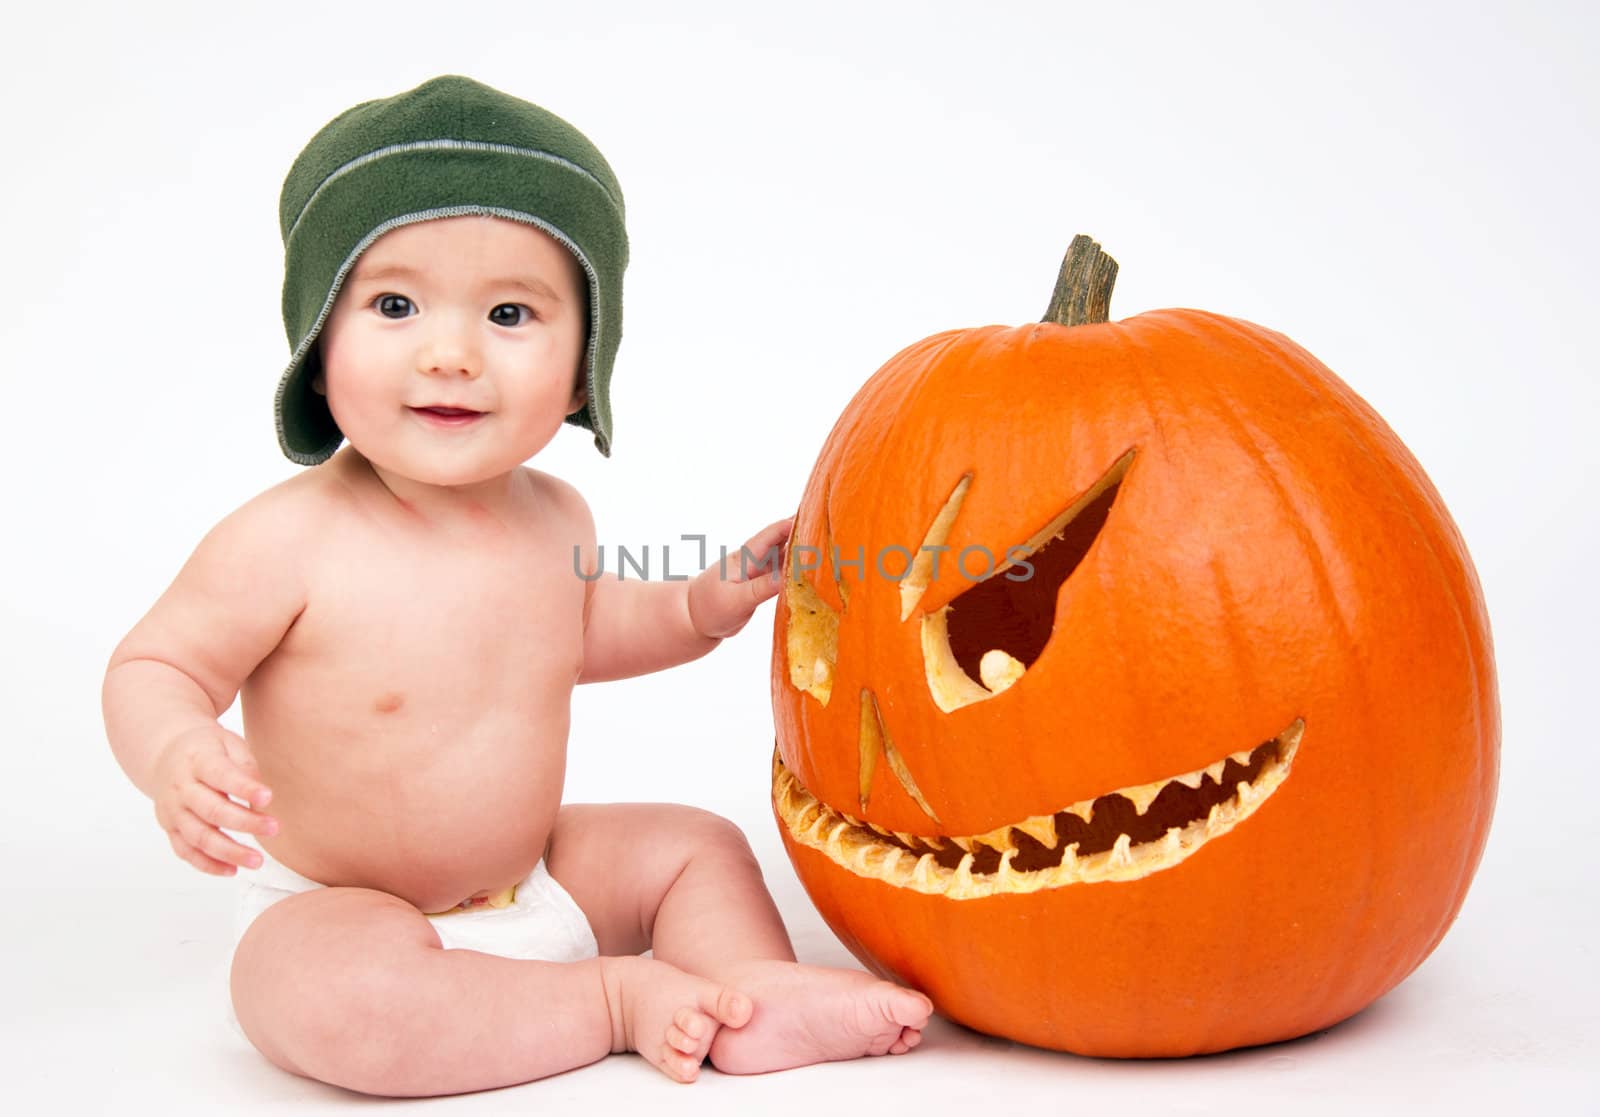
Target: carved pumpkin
1190, 737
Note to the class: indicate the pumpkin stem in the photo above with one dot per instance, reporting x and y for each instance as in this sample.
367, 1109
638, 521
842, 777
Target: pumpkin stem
1083, 289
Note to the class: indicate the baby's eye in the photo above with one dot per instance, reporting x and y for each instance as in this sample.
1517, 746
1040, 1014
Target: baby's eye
519, 314
399, 305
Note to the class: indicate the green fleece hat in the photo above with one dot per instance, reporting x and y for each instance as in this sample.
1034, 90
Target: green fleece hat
450, 146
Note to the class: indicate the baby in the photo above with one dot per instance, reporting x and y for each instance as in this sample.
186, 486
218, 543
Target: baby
405, 622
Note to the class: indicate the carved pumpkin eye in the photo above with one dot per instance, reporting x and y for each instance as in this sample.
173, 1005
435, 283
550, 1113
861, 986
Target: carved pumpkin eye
986, 638
813, 631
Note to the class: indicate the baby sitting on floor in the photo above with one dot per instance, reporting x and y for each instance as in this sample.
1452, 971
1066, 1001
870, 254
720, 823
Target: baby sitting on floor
405, 621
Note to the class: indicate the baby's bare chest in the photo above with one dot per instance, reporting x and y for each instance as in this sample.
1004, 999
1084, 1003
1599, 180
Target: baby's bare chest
425, 688
440, 628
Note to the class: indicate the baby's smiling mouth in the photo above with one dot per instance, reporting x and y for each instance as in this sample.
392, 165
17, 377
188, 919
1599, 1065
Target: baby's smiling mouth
449, 416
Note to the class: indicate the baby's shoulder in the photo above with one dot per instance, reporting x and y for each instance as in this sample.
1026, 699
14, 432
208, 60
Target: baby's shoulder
562, 496
308, 496
286, 517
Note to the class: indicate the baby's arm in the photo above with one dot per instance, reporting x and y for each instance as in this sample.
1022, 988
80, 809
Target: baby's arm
182, 665
635, 627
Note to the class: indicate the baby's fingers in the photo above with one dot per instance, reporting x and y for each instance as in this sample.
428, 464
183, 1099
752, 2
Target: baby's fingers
224, 773
214, 844
199, 860
218, 810
770, 538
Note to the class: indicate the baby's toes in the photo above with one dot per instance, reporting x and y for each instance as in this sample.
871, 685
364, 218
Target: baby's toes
909, 1038
725, 1005
676, 1065
908, 1008
691, 1032
681, 1041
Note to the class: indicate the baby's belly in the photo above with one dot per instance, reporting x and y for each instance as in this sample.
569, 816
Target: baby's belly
435, 815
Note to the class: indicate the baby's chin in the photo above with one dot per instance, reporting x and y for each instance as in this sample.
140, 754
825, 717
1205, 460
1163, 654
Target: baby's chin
464, 469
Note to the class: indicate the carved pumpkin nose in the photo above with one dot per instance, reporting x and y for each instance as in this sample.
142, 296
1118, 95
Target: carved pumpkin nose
876, 742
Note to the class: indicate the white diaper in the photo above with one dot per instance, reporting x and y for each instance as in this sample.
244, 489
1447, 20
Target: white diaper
543, 923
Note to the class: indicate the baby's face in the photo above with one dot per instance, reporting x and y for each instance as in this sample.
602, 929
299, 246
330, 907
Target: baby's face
479, 314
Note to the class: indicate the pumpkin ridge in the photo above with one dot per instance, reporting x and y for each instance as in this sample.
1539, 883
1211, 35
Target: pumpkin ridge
1246, 438
1306, 522
1468, 858
1358, 435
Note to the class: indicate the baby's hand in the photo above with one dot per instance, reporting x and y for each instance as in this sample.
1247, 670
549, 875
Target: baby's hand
195, 775
720, 605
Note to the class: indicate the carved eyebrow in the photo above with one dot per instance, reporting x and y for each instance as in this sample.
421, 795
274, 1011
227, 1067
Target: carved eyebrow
532, 285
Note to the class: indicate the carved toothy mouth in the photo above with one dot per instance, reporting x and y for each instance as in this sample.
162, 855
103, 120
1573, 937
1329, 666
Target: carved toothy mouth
1119, 836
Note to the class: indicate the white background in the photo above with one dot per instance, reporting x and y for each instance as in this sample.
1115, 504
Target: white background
1406, 190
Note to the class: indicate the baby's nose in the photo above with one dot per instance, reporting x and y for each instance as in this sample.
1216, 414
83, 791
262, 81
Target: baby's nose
449, 352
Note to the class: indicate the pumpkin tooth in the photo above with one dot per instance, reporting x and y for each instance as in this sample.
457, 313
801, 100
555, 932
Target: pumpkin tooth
1041, 828
963, 877
1214, 770
815, 830
1004, 874
964, 843
1144, 794
1069, 859
999, 839
1122, 852
923, 870
1172, 843
891, 861
859, 860
1192, 779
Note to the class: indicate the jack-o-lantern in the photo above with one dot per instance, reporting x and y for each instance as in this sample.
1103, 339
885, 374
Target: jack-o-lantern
1133, 687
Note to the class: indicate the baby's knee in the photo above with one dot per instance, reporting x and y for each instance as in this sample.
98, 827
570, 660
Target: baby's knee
711, 833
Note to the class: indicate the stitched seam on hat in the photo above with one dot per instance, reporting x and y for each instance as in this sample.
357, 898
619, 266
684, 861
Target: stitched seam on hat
590, 404
434, 145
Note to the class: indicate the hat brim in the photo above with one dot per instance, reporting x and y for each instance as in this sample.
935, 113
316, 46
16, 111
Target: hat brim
307, 433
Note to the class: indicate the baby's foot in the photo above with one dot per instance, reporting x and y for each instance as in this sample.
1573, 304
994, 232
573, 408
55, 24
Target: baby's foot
808, 1014
668, 1016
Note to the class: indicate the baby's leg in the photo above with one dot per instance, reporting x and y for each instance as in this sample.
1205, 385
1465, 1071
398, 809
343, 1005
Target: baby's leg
351, 986
684, 883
